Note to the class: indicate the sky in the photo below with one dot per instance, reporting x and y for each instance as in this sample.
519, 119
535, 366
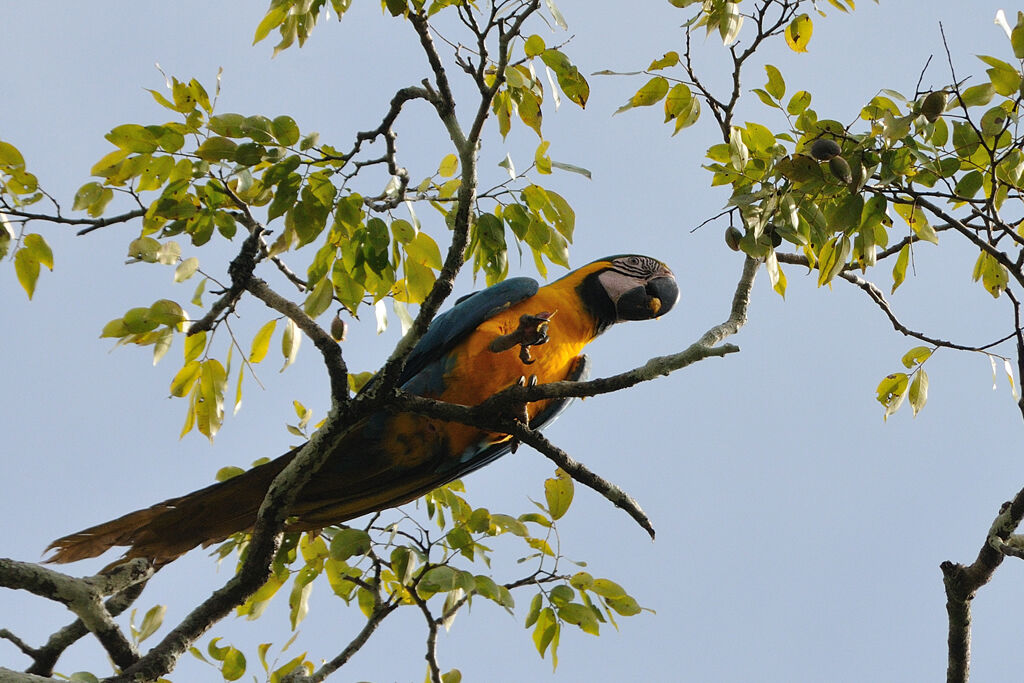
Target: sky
799, 535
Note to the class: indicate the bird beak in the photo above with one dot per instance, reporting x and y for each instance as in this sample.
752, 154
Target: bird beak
652, 299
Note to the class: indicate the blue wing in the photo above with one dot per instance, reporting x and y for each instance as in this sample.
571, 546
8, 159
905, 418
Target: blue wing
449, 328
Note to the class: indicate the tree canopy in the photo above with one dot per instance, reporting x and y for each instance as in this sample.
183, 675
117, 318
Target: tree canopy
362, 187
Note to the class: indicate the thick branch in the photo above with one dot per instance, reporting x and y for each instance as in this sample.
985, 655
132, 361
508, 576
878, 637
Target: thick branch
962, 583
83, 597
45, 657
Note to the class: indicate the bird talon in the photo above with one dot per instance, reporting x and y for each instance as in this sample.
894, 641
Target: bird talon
532, 331
524, 355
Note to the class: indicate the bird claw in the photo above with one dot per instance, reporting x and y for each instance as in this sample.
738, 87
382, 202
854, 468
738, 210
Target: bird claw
532, 331
520, 414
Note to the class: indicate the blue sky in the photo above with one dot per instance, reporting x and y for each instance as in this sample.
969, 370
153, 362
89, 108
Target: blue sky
799, 536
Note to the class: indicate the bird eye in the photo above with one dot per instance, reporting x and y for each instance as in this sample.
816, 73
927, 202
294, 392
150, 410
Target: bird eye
634, 261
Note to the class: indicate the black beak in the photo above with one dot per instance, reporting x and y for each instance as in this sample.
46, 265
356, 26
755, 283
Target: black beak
652, 300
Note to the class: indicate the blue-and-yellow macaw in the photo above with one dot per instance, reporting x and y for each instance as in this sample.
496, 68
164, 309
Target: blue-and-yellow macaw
487, 342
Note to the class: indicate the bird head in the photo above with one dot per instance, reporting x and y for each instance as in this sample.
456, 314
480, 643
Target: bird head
628, 287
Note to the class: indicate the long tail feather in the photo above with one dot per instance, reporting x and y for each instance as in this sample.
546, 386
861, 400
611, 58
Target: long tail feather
162, 532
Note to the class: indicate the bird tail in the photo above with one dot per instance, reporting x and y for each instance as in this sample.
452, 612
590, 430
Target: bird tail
163, 532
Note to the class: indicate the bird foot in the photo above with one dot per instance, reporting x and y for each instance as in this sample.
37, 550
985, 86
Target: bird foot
519, 412
532, 331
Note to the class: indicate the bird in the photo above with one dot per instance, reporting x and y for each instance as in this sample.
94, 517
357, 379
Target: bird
467, 354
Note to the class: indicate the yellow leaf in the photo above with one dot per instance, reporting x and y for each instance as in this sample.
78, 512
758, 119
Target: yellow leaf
798, 33
261, 342
449, 165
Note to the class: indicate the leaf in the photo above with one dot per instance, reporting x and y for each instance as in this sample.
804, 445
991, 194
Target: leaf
534, 46
186, 269
348, 543
556, 15
234, 665
899, 270
798, 33
449, 165
290, 341
185, 378
26, 267
652, 92
917, 220
270, 21
993, 275
730, 23
558, 491
916, 356
776, 86
891, 392
918, 393
607, 588
151, 622
1008, 368
669, 59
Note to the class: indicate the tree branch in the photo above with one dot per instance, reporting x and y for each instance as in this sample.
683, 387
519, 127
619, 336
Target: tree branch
962, 584
83, 597
93, 223
331, 351
878, 297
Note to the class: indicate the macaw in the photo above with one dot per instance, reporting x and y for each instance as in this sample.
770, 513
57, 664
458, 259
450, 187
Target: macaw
468, 354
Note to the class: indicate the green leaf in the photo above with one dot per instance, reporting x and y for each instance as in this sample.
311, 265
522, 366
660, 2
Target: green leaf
234, 665
319, 300
217, 149
651, 93
993, 275
607, 588
349, 543
558, 491
977, 95
891, 392
916, 356
534, 46
626, 605
798, 33
669, 59
1017, 38
285, 130
798, 103
579, 615
26, 267
151, 622
133, 138
776, 86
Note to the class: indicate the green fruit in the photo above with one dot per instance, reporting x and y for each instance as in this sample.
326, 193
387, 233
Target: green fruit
733, 237
840, 169
823, 149
934, 105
